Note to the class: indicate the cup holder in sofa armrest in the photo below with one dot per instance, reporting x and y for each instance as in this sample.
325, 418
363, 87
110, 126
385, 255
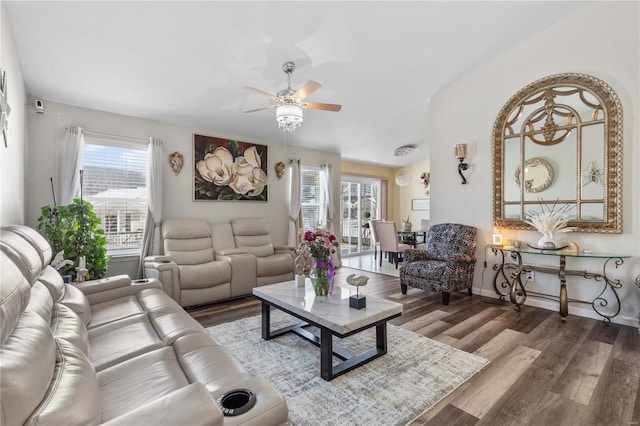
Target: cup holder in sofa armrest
236, 402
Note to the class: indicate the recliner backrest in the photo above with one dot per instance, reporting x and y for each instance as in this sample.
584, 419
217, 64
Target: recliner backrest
253, 235
188, 241
445, 239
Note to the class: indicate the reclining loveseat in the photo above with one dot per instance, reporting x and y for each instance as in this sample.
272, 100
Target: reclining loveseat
205, 262
111, 351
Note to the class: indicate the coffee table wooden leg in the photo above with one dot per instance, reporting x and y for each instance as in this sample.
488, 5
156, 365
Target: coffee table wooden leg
266, 321
326, 354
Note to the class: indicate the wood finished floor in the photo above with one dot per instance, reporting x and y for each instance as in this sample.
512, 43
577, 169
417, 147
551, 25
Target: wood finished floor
542, 371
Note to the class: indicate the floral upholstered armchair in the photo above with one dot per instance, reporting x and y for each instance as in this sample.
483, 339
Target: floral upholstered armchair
446, 265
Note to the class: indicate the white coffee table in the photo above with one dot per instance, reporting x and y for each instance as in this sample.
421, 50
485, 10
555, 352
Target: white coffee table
333, 316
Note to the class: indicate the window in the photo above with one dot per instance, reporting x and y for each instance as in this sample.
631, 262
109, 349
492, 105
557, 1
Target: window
114, 183
312, 202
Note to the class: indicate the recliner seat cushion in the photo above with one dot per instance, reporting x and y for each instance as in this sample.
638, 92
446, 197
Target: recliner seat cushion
204, 275
276, 264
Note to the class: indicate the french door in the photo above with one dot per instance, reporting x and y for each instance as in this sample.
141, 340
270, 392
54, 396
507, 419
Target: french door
359, 202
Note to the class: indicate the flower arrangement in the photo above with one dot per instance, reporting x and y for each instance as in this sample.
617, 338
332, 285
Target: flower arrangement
549, 222
321, 243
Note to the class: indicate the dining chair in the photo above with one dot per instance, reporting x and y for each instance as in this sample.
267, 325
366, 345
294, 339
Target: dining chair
388, 236
374, 235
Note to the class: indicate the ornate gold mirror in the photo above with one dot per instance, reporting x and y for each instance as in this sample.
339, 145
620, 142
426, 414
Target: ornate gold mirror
561, 137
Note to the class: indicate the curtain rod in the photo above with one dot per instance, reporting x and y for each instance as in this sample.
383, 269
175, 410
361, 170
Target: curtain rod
139, 140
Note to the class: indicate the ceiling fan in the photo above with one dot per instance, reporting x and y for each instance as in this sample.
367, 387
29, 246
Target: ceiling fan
290, 103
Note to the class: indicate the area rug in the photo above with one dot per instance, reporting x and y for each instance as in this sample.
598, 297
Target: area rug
414, 375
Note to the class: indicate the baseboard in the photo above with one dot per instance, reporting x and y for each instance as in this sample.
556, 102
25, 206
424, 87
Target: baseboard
573, 310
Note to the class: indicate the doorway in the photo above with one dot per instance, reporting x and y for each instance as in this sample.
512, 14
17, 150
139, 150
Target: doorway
359, 203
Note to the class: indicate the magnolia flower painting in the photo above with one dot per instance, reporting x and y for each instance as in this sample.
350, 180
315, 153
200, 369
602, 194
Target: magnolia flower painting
229, 170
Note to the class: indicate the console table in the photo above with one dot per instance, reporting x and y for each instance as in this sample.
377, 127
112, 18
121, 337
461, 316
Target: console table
508, 277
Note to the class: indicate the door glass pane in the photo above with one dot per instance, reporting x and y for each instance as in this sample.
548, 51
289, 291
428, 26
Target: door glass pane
358, 204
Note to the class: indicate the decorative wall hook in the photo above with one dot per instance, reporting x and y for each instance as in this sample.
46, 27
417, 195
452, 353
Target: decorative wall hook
461, 154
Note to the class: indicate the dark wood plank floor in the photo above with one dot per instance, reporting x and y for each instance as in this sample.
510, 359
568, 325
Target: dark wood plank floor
542, 371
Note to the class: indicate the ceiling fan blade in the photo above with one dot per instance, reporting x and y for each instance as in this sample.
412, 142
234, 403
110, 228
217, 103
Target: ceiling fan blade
263, 108
326, 107
263, 93
308, 88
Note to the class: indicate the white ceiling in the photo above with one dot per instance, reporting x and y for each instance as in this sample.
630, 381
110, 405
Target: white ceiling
187, 63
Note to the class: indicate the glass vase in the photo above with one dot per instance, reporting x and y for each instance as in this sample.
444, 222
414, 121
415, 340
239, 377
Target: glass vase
321, 276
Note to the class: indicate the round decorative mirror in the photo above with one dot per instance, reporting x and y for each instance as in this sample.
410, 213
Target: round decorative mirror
576, 120
538, 175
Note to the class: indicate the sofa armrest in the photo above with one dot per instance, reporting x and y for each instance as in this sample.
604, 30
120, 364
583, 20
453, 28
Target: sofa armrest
284, 248
105, 289
166, 271
158, 258
230, 252
104, 284
190, 405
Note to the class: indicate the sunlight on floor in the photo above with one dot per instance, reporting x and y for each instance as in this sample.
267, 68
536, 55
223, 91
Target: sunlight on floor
366, 262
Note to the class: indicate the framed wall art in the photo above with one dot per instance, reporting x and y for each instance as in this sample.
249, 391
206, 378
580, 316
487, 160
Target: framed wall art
228, 170
420, 204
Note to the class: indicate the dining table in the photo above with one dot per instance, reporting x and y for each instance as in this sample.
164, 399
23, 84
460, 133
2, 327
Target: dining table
413, 238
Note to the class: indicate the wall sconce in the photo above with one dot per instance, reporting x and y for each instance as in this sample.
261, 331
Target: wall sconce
461, 154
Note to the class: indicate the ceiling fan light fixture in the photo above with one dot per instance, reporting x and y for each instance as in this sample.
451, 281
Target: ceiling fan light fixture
289, 116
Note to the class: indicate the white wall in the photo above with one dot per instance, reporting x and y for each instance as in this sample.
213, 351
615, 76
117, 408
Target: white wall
44, 130
12, 158
415, 190
601, 39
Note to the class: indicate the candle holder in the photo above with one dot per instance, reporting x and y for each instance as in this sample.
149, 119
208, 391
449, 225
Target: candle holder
81, 274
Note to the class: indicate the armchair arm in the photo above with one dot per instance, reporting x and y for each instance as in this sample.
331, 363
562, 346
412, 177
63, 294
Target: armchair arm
413, 255
461, 258
284, 248
190, 405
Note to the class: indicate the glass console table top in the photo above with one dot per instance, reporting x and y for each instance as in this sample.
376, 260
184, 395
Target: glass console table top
531, 250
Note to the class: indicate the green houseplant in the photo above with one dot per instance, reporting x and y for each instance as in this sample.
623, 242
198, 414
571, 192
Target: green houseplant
75, 229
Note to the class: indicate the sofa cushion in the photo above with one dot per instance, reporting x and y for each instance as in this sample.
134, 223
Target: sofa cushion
41, 302
185, 229
23, 254
78, 302
15, 292
114, 310
73, 396
67, 325
27, 367
34, 238
53, 280
126, 386
118, 341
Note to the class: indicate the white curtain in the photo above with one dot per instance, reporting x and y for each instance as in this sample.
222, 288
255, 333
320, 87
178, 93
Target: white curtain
327, 185
152, 238
69, 160
294, 203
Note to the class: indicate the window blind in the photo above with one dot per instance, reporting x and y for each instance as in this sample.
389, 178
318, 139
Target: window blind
114, 182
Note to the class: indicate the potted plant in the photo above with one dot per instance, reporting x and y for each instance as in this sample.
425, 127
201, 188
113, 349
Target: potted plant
75, 229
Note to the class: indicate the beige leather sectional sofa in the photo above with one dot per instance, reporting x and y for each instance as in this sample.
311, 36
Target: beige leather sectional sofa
205, 262
109, 351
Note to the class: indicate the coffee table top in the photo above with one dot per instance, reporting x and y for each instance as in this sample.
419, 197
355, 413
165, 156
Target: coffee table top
333, 311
